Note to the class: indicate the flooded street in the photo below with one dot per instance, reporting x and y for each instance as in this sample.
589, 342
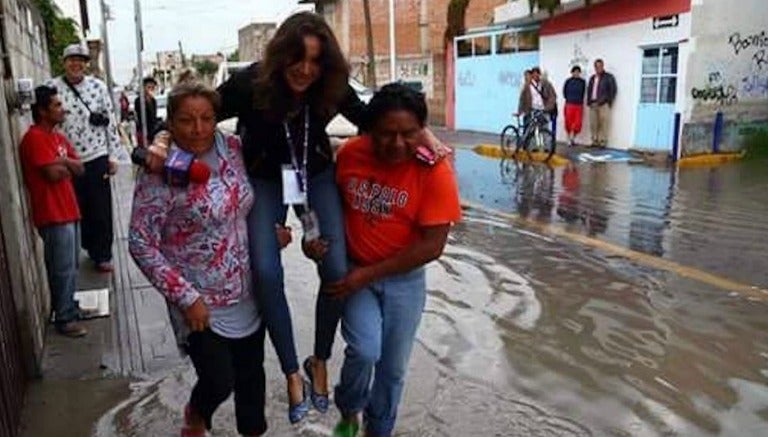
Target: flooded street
531, 332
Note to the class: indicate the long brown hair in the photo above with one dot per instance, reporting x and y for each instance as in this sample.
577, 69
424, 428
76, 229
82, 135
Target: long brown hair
272, 94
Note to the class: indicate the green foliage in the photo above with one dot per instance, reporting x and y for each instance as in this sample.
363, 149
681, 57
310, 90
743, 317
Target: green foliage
205, 67
234, 57
757, 144
59, 33
457, 10
549, 5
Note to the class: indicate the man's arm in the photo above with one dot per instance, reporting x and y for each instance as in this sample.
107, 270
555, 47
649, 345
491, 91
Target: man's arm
113, 139
428, 248
75, 167
56, 171
237, 93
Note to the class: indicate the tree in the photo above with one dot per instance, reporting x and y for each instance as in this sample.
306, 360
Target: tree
457, 11
206, 67
234, 57
549, 5
59, 33
371, 74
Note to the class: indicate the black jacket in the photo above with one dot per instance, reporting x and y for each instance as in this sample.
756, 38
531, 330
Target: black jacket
265, 148
606, 89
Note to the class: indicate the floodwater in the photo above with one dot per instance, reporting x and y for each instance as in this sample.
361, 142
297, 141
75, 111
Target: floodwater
527, 333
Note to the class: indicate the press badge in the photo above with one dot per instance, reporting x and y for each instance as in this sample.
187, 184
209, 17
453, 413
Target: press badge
293, 192
310, 225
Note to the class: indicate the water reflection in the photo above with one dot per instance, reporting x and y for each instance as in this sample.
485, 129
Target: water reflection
686, 216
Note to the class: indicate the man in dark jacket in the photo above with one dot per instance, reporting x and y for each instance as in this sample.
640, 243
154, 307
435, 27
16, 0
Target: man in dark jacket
573, 91
539, 94
150, 112
601, 93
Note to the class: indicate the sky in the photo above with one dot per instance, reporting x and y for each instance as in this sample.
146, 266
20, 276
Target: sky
202, 26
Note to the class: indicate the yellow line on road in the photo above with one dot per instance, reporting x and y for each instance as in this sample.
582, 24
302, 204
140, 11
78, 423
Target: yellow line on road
745, 290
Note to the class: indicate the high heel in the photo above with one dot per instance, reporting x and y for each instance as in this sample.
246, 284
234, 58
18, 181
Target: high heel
319, 400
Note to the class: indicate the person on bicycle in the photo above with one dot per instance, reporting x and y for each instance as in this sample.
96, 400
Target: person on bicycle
538, 95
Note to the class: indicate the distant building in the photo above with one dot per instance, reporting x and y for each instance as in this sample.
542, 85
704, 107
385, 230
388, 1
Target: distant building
420, 40
170, 65
253, 39
672, 59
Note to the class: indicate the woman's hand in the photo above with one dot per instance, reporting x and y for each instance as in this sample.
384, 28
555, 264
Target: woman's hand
357, 279
157, 153
197, 316
436, 146
315, 249
284, 235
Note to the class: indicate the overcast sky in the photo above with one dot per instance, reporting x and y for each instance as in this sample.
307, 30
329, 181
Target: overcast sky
202, 26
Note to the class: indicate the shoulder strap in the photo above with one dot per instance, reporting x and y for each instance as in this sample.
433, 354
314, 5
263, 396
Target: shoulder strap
77, 94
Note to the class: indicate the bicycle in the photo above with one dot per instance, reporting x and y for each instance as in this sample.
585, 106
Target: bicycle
536, 137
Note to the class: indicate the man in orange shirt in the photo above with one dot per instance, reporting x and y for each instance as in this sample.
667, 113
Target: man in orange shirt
398, 210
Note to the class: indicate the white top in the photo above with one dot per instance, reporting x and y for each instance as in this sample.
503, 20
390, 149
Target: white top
90, 142
537, 102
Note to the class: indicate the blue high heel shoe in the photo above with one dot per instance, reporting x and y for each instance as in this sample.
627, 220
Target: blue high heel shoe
297, 412
320, 401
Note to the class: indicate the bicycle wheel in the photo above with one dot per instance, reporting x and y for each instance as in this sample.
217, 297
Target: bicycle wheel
509, 139
541, 141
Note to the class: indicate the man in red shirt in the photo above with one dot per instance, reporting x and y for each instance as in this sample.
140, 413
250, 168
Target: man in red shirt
49, 162
398, 211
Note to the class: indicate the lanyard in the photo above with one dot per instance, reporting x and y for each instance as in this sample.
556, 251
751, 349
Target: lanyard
301, 172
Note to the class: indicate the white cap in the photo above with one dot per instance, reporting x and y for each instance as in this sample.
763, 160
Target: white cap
76, 50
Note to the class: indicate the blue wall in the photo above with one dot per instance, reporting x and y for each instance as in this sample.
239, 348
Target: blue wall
488, 89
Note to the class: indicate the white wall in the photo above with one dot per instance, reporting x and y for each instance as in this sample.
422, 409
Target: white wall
727, 70
620, 46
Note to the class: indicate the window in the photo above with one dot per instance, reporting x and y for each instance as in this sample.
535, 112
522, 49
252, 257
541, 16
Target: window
464, 48
659, 75
529, 40
506, 43
482, 45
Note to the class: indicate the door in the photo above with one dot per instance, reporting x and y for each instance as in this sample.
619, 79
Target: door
658, 91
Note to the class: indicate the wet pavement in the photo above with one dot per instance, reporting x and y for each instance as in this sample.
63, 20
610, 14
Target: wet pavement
530, 332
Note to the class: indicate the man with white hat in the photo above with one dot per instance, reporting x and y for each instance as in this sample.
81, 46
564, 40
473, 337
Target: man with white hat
91, 128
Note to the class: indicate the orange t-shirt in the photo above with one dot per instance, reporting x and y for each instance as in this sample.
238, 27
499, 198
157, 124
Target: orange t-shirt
387, 205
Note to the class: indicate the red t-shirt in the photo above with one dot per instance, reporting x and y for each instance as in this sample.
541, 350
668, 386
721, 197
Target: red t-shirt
387, 205
52, 202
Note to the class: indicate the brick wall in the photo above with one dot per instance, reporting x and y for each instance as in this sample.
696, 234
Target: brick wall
409, 35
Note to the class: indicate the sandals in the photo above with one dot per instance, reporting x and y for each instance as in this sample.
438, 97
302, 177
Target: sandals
319, 400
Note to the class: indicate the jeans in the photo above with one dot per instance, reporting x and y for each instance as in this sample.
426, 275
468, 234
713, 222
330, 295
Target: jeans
224, 365
267, 266
62, 256
379, 326
94, 196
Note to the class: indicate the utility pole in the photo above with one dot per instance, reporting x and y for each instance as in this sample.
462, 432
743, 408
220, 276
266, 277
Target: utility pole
392, 48
105, 17
371, 66
183, 59
140, 67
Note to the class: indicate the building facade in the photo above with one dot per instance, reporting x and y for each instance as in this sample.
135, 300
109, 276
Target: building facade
677, 63
421, 48
253, 39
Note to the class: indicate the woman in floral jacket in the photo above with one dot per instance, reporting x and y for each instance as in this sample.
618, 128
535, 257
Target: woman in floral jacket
192, 244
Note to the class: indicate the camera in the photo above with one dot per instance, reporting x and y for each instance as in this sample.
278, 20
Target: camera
99, 119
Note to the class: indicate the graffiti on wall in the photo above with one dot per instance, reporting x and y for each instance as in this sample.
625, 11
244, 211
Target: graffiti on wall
510, 78
723, 95
741, 43
578, 58
466, 78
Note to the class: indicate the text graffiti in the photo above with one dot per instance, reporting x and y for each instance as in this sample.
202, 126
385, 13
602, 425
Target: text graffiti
760, 59
722, 95
739, 43
754, 86
466, 78
510, 78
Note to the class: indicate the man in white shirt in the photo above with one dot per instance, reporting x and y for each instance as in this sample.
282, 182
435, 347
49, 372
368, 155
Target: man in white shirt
91, 128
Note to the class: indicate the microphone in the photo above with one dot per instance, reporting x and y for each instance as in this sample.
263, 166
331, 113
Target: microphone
182, 168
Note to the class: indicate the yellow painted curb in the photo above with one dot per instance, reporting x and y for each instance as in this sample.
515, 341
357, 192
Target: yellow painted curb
709, 159
746, 290
494, 151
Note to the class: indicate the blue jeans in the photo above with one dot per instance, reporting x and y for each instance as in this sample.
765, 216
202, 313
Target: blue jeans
379, 326
267, 266
62, 261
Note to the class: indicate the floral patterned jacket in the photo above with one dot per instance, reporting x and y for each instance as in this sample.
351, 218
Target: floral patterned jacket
193, 242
